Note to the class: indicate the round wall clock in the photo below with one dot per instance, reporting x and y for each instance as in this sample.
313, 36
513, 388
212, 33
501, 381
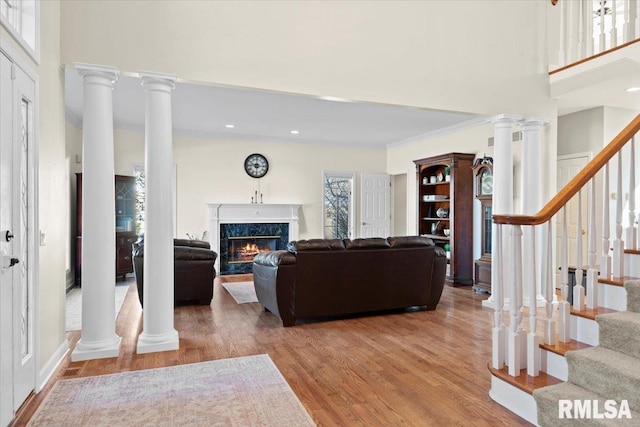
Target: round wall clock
256, 165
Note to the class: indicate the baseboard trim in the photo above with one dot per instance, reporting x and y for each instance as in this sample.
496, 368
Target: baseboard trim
51, 366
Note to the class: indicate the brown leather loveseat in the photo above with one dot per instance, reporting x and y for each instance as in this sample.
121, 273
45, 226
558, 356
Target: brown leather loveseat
193, 271
318, 278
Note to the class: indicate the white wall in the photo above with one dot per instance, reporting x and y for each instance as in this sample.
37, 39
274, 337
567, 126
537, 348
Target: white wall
581, 132
478, 56
211, 171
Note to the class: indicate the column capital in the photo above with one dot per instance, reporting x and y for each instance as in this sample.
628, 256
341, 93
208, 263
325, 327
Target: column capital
166, 82
503, 120
102, 71
533, 123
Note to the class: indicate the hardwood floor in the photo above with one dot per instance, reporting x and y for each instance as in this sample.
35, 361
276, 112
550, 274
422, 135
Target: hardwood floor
426, 368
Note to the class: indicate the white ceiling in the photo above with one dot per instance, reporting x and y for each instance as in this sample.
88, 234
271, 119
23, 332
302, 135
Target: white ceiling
204, 110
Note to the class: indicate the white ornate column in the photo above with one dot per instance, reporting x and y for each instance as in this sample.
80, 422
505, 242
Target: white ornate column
158, 333
98, 338
531, 204
502, 195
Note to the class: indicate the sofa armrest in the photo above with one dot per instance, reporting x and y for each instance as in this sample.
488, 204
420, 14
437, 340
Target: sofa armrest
187, 253
437, 277
275, 258
192, 243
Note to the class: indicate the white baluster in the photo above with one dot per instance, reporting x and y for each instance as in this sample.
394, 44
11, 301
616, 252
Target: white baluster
578, 289
637, 8
588, 26
549, 289
630, 232
627, 27
618, 244
562, 59
592, 272
603, 37
564, 324
515, 345
605, 260
498, 333
533, 341
580, 48
613, 34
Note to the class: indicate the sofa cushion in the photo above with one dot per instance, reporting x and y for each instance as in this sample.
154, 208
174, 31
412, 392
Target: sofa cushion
275, 258
368, 243
409, 241
315, 245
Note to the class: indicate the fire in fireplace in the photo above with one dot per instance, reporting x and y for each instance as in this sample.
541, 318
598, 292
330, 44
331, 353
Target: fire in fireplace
242, 249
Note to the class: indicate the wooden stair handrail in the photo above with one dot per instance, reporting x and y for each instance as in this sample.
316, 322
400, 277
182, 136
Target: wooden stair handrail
572, 188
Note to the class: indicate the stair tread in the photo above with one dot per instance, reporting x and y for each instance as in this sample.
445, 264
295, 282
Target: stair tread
562, 347
548, 398
632, 251
591, 313
609, 359
616, 280
523, 381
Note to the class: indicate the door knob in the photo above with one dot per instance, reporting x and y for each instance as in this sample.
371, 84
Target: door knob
8, 235
584, 232
8, 261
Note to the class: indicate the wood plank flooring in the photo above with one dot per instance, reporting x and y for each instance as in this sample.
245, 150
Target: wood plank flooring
426, 368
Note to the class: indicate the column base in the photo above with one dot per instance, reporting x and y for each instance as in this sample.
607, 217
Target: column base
150, 343
88, 350
491, 303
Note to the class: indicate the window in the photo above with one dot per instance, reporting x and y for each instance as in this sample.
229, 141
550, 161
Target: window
21, 18
338, 209
138, 172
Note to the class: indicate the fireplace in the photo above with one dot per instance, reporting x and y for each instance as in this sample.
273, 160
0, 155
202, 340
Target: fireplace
242, 249
239, 243
239, 232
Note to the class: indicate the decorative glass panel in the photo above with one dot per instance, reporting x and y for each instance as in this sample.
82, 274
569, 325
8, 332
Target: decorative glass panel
24, 228
487, 230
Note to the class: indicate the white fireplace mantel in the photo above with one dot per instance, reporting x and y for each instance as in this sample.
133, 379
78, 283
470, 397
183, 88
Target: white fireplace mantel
220, 213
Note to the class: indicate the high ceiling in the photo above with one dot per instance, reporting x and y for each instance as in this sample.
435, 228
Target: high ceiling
206, 111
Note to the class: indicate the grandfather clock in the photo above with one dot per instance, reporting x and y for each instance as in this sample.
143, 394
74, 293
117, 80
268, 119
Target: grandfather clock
483, 172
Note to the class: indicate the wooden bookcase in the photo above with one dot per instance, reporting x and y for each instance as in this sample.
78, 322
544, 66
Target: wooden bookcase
447, 204
125, 211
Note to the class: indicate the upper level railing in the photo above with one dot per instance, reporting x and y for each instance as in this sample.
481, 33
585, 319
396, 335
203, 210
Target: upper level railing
589, 27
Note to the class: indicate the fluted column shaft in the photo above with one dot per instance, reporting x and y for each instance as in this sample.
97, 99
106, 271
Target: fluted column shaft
98, 337
158, 332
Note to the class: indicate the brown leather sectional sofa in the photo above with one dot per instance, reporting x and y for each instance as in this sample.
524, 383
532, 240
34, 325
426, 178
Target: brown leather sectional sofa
193, 271
318, 278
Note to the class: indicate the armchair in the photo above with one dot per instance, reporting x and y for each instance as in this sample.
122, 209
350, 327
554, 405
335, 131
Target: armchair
193, 271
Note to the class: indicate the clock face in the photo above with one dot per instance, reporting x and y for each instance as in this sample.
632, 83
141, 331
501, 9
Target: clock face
256, 165
486, 182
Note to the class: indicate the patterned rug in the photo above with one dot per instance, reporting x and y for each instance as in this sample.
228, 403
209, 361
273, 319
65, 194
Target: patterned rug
243, 391
242, 292
74, 305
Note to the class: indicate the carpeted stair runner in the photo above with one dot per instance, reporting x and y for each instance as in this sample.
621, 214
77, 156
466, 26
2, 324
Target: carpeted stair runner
610, 371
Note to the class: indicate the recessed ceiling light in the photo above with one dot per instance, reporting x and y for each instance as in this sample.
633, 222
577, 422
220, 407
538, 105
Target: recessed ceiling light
229, 126
295, 132
633, 89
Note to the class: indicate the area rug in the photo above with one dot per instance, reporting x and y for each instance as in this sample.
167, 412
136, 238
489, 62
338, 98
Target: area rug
243, 391
242, 292
74, 305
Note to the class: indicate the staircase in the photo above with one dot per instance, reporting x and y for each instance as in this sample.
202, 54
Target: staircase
609, 371
573, 354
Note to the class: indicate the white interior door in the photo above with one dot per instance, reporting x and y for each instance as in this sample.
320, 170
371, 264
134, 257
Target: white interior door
375, 206
17, 360
568, 167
